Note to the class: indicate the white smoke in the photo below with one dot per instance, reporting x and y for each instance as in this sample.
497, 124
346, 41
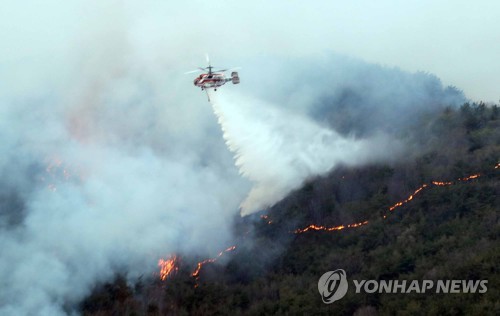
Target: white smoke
102, 193
107, 164
278, 150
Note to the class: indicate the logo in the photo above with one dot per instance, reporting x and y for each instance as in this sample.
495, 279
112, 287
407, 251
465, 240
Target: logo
333, 286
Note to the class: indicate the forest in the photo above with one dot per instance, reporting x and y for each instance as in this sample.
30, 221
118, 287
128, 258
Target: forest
449, 229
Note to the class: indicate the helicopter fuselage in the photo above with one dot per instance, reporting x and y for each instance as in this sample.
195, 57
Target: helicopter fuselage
210, 80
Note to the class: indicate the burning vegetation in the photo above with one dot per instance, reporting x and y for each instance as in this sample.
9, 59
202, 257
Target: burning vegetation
434, 216
168, 267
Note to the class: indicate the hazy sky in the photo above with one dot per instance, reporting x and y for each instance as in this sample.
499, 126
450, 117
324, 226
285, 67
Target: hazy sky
459, 40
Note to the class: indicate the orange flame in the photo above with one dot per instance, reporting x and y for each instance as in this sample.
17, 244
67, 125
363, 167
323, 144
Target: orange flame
392, 208
401, 203
196, 272
329, 229
55, 169
474, 176
168, 267
441, 184
265, 217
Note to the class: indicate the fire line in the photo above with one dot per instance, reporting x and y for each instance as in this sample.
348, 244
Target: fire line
169, 266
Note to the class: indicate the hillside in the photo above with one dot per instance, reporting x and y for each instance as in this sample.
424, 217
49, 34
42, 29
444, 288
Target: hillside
450, 229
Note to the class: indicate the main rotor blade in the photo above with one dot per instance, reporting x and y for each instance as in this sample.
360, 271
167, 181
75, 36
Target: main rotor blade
193, 71
215, 69
229, 69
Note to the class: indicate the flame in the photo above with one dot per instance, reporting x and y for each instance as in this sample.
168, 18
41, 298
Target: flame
266, 217
196, 272
436, 183
168, 266
392, 208
474, 176
441, 184
401, 203
57, 169
329, 229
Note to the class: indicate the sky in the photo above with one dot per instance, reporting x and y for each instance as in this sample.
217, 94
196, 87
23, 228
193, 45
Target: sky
105, 141
459, 41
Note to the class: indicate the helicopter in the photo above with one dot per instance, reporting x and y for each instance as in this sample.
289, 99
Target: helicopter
214, 78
